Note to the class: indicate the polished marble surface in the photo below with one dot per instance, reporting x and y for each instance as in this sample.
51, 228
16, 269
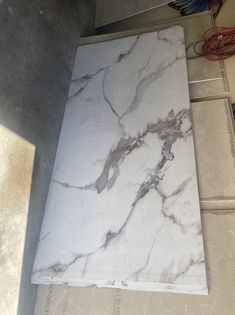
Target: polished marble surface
220, 251
205, 78
123, 206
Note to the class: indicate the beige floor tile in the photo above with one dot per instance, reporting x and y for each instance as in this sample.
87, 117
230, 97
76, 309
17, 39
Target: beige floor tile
59, 300
149, 17
108, 11
17, 156
226, 17
215, 153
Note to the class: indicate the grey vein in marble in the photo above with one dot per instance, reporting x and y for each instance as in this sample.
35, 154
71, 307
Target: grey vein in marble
123, 208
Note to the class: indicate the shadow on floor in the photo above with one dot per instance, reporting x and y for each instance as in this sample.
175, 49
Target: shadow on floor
38, 44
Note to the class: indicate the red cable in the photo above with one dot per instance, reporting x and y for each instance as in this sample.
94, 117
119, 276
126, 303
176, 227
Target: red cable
218, 43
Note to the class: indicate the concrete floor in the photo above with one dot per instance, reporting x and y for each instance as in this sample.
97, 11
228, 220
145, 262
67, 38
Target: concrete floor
38, 40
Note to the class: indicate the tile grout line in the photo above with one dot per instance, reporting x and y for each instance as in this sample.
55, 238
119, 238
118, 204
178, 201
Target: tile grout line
218, 211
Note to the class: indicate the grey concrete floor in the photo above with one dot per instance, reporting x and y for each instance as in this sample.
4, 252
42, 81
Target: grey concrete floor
38, 41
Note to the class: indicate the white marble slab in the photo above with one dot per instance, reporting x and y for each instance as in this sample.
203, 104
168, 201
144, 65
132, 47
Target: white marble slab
123, 206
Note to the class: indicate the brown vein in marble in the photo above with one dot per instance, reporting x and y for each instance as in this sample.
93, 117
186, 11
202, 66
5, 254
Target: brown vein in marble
88, 77
139, 71
161, 37
84, 267
66, 185
78, 91
106, 98
169, 131
62, 267
171, 217
177, 192
145, 82
44, 237
168, 276
142, 85
141, 269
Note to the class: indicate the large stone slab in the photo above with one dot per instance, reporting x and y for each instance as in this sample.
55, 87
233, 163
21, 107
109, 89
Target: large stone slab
123, 206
